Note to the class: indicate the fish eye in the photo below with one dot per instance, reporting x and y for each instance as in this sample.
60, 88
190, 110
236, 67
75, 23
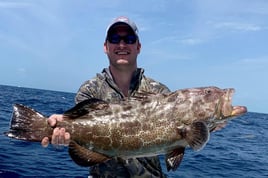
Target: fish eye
208, 91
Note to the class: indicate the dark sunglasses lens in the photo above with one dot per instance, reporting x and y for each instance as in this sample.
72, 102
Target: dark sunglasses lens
129, 39
115, 39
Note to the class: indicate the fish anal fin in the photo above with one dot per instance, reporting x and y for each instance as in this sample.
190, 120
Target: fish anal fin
85, 157
196, 135
174, 158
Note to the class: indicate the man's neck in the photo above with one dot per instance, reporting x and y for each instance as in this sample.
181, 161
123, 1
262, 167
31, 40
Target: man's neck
122, 78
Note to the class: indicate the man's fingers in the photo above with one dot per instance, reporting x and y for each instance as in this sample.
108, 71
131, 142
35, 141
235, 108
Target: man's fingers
60, 137
67, 138
55, 136
51, 122
53, 119
45, 142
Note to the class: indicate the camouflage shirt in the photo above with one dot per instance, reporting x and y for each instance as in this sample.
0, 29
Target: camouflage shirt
103, 87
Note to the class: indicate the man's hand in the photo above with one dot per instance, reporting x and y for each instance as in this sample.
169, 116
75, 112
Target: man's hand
59, 136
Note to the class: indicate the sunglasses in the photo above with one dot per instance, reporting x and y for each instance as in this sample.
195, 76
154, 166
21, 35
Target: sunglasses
128, 39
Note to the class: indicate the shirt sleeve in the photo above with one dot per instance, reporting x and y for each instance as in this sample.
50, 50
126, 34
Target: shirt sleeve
86, 91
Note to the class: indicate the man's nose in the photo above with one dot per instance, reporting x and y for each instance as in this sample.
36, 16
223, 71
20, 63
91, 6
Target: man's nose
122, 42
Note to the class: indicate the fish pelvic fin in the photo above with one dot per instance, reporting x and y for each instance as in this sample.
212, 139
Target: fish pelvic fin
85, 157
28, 124
174, 158
196, 135
85, 107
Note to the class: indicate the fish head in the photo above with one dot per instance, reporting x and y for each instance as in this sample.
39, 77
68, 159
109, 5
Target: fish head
224, 110
209, 104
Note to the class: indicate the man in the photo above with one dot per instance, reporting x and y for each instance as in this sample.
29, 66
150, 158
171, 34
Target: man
122, 79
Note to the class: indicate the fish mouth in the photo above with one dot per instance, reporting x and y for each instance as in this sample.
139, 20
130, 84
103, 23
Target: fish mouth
238, 110
227, 109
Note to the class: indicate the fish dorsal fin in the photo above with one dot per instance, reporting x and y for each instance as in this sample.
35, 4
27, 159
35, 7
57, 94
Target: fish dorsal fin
85, 157
142, 95
85, 107
196, 135
174, 158
145, 93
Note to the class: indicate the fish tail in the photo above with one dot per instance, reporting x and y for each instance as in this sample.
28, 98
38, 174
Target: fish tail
197, 135
28, 124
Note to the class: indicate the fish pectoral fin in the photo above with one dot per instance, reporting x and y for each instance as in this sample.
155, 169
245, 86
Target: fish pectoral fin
197, 135
85, 157
174, 158
85, 107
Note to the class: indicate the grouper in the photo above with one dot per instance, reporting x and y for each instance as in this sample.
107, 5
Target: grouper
147, 124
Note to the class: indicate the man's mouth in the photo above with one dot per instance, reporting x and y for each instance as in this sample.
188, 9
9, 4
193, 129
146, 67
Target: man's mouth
122, 52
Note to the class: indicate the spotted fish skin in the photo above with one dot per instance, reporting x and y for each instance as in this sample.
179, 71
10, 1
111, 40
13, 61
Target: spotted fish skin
147, 124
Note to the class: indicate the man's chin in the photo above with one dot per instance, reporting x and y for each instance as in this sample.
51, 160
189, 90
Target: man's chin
122, 61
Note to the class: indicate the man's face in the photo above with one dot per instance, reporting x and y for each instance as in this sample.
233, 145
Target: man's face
119, 52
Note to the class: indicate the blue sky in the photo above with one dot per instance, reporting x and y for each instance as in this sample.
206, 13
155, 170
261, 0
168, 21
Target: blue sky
58, 44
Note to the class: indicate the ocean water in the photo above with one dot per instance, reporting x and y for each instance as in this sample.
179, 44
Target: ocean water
238, 150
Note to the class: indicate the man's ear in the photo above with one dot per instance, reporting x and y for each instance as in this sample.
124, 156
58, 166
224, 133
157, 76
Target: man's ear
139, 47
105, 47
